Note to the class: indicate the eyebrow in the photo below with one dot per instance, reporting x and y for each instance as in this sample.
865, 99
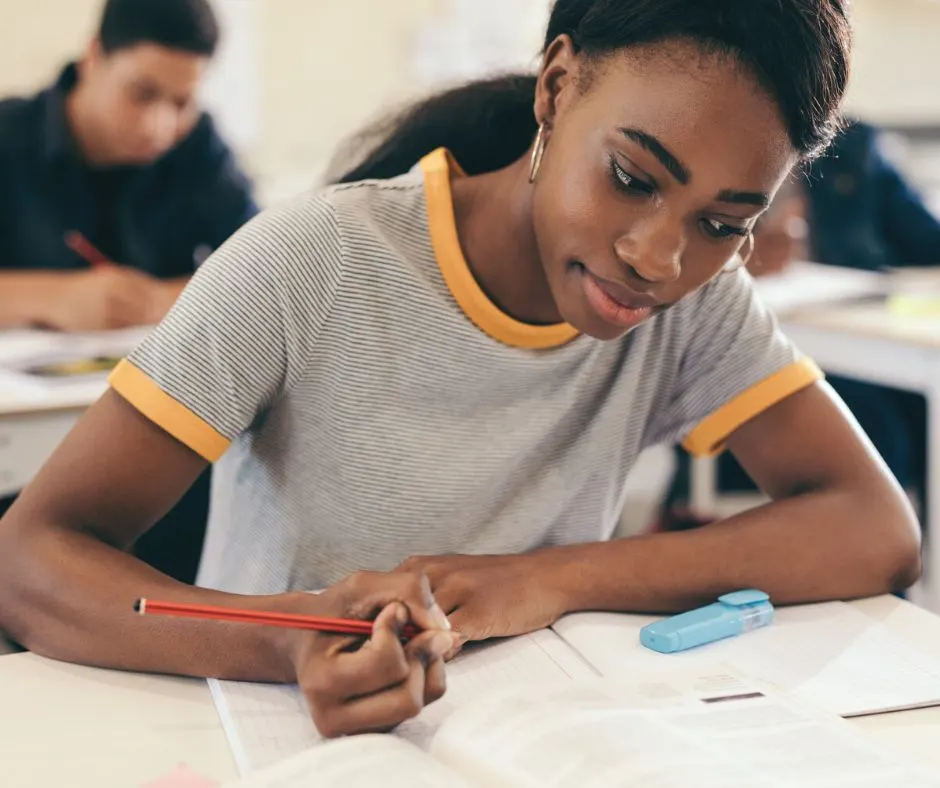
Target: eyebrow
675, 167
759, 199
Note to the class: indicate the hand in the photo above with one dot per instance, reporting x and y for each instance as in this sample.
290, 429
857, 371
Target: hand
353, 686
780, 239
104, 297
494, 596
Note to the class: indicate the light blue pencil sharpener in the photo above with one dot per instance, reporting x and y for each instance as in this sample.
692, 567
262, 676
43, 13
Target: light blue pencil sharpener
732, 614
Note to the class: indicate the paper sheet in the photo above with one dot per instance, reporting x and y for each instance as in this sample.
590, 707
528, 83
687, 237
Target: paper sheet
357, 762
267, 722
829, 655
707, 729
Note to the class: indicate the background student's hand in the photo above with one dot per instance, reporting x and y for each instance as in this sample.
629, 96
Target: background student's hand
356, 686
493, 595
780, 239
105, 297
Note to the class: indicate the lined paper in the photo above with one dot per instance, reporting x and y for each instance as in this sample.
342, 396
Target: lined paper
266, 723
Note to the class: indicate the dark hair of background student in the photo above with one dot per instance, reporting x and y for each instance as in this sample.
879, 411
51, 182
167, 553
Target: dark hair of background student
184, 25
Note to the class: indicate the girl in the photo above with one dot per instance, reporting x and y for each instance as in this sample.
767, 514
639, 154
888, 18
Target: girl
463, 360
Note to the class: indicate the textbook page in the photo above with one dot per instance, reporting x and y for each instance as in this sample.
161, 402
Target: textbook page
829, 655
706, 729
266, 723
357, 762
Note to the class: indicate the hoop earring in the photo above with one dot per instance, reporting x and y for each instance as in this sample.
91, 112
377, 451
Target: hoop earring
745, 259
538, 150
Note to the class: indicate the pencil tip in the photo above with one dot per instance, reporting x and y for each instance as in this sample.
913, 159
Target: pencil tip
139, 606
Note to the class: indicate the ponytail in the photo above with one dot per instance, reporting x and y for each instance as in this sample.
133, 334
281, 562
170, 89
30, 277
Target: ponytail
798, 50
487, 125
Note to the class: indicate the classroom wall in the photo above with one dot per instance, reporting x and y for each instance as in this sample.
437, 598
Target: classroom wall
322, 70
896, 79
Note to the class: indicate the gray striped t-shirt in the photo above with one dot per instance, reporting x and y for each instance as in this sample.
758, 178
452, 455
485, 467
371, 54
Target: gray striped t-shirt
366, 401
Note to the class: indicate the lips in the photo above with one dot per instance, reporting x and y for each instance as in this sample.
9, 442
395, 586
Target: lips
615, 303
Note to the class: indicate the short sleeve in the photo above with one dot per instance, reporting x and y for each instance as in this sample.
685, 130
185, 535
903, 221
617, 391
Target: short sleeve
734, 363
242, 331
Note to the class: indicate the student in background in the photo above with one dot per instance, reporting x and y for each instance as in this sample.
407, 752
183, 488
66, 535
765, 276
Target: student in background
452, 370
851, 208
116, 158
116, 161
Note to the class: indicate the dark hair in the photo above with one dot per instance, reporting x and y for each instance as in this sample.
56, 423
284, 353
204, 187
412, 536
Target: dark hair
797, 49
187, 25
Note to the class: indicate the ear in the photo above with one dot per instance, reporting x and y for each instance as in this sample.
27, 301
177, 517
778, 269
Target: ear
92, 57
557, 81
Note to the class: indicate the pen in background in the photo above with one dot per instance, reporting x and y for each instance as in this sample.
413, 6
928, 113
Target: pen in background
84, 248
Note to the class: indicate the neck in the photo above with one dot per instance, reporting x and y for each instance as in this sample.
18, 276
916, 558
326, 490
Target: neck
81, 128
494, 222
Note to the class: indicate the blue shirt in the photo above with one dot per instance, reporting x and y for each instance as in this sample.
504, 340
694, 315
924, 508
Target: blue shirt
163, 218
863, 214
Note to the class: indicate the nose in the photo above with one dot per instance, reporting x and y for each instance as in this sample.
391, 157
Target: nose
653, 249
161, 125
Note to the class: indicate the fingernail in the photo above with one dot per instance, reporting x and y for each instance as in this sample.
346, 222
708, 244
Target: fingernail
401, 615
438, 617
441, 643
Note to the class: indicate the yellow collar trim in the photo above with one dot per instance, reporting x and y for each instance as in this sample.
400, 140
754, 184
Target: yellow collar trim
438, 168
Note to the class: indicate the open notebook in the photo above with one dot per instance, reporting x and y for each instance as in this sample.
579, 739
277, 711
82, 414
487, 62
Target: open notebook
828, 656
268, 722
704, 729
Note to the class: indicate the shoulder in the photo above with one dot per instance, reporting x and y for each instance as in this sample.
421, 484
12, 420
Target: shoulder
19, 122
850, 153
202, 149
390, 213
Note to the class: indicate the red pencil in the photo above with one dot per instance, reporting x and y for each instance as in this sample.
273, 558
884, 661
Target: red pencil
339, 626
84, 248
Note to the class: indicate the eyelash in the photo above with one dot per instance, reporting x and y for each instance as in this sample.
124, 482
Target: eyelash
624, 181
632, 185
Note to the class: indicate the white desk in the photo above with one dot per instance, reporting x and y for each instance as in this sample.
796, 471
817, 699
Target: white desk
34, 419
81, 727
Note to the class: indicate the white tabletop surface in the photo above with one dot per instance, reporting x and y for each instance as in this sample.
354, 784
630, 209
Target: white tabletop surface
63, 724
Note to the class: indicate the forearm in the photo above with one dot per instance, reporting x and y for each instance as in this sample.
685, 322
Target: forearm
69, 596
831, 544
25, 296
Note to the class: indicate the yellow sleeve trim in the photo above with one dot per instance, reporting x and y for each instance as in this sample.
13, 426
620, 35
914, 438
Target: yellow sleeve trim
709, 437
438, 167
168, 414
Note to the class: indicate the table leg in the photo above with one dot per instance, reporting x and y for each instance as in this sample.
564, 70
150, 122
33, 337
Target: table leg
703, 485
927, 592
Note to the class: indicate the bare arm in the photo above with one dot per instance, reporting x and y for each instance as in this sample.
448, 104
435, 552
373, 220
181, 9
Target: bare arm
24, 296
112, 296
67, 588
839, 525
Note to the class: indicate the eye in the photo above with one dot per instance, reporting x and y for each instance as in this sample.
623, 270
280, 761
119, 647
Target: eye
628, 183
721, 231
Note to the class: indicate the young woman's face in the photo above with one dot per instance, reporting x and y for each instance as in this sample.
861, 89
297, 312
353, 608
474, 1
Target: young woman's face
651, 180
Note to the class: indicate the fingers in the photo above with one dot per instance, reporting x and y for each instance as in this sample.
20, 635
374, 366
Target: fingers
380, 685
367, 592
431, 649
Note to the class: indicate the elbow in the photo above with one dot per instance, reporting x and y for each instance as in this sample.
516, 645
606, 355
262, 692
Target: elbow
21, 618
897, 548
905, 565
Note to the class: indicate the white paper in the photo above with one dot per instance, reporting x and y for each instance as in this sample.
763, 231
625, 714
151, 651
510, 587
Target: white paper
357, 762
828, 655
707, 729
24, 348
812, 284
268, 722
